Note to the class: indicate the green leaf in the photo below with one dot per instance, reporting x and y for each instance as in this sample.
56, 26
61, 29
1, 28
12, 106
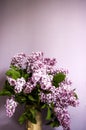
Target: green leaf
5, 92
13, 73
22, 118
14, 67
9, 88
30, 116
33, 112
48, 117
33, 120
44, 106
30, 97
26, 76
58, 78
53, 123
20, 98
76, 95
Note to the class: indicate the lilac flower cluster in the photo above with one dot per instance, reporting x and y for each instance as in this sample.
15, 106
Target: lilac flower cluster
19, 60
63, 117
42, 72
10, 106
61, 97
18, 84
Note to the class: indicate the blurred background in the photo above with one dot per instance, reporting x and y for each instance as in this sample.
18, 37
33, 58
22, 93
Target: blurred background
56, 27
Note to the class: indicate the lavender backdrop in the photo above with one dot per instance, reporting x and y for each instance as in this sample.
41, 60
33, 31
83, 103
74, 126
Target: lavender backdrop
56, 27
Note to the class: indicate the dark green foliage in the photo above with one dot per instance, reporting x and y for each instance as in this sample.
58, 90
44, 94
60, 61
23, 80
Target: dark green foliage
5, 93
31, 98
22, 118
8, 87
53, 122
49, 112
20, 98
29, 114
7, 90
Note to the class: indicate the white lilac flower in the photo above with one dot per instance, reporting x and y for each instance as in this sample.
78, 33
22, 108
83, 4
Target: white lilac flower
10, 107
21, 81
19, 85
11, 81
18, 88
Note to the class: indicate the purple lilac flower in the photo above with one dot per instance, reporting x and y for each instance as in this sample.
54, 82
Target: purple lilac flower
10, 107
46, 98
19, 85
35, 56
36, 77
50, 65
46, 82
64, 71
49, 97
29, 87
11, 81
61, 97
66, 82
66, 97
42, 97
36, 65
34, 62
50, 62
19, 60
63, 117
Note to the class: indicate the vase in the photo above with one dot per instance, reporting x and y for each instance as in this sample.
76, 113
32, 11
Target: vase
38, 125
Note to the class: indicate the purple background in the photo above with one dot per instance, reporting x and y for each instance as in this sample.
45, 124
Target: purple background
56, 27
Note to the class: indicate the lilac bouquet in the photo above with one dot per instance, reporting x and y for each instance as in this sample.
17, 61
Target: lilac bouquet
36, 83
